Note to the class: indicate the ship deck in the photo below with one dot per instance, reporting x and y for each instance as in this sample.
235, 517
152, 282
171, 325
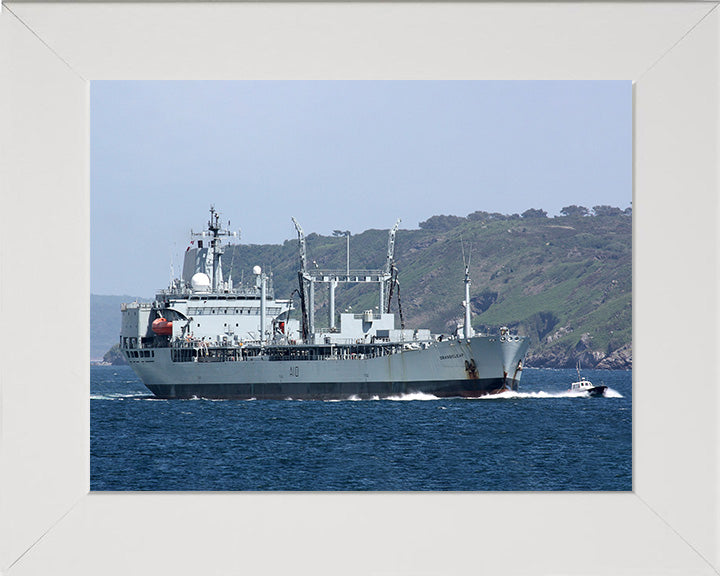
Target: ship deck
204, 352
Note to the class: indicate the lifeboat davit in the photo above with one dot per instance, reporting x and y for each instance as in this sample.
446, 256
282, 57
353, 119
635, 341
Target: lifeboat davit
162, 327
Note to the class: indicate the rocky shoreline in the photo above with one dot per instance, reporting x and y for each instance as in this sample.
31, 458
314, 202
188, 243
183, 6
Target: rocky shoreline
620, 359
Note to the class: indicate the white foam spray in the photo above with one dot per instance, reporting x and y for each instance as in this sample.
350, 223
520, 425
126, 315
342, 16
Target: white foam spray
511, 395
118, 396
413, 396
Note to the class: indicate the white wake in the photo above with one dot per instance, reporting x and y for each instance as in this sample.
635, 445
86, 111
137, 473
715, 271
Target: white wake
510, 394
119, 396
413, 396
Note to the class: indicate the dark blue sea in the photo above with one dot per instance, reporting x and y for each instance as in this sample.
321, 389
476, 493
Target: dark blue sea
537, 439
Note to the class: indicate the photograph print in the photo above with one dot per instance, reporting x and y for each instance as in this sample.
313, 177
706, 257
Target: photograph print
361, 286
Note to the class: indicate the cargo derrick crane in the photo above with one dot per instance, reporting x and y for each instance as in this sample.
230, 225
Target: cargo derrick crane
303, 277
389, 270
307, 280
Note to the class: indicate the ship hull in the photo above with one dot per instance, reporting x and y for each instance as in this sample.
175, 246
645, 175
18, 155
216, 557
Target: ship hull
459, 368
330, 390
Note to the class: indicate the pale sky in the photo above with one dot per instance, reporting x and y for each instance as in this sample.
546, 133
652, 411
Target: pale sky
337, 155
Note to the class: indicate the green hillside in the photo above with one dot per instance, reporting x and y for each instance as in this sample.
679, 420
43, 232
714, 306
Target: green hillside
564, 281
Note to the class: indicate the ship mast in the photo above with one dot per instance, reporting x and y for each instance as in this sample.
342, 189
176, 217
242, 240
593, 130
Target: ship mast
215, 231
467, 328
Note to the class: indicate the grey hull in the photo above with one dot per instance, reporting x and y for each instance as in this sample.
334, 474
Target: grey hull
464, 368
333, 390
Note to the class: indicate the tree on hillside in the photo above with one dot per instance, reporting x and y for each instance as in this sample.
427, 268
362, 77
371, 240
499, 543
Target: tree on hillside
574, 211
481, 215
441, 222
534, 213
606, 211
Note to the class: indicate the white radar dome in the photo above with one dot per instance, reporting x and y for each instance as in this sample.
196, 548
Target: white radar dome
200, 282
257, 270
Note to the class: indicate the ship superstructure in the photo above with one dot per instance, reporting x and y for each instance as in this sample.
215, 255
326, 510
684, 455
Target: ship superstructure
206, 337
202, 307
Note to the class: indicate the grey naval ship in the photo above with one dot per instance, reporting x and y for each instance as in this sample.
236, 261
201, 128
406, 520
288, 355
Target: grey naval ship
207, 337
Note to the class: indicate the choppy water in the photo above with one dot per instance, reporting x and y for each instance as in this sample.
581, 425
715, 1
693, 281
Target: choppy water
541, 438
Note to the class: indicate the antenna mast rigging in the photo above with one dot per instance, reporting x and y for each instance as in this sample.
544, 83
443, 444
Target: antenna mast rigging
216, 248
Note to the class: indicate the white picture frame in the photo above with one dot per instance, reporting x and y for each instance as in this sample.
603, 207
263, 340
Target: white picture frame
50, 523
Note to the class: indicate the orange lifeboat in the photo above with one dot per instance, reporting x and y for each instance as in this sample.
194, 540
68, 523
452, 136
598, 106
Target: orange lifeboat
162, 327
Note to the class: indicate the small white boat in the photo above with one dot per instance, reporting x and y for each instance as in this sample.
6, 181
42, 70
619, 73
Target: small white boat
584, 385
